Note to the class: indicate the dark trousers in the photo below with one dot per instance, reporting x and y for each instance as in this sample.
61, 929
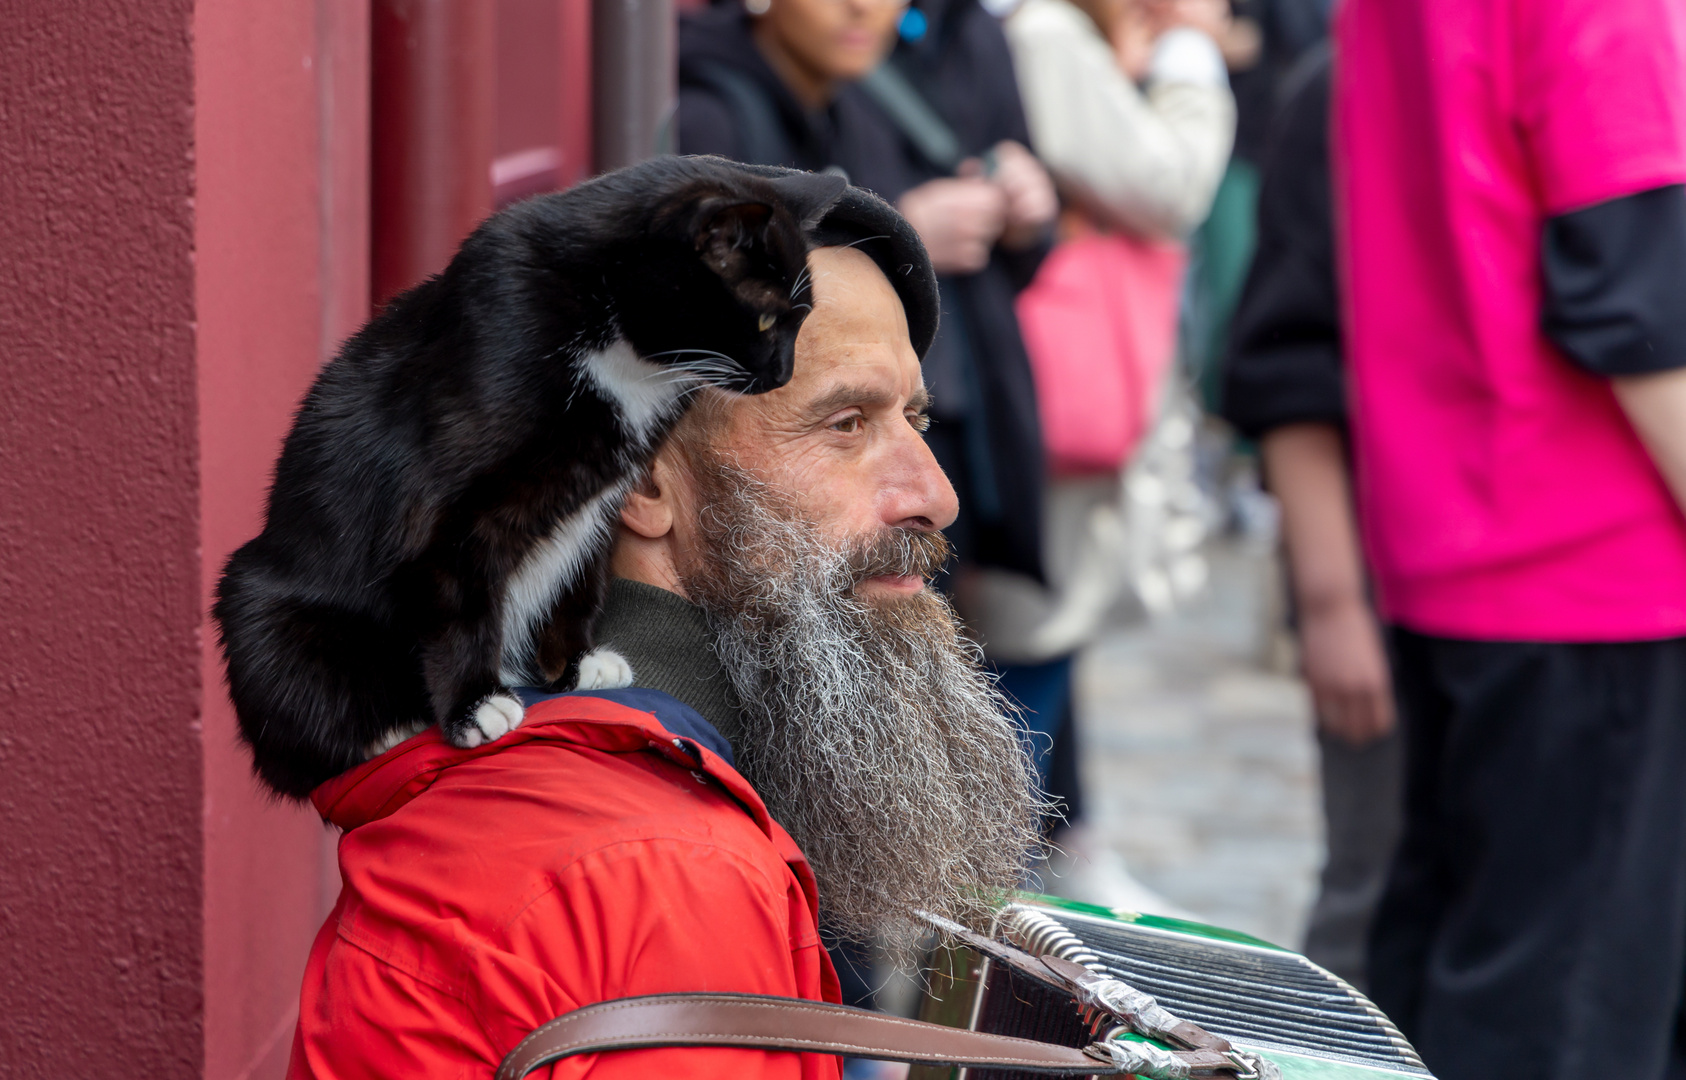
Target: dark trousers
1534, 923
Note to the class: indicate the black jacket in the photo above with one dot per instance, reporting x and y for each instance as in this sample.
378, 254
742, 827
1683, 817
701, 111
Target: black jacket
718, 60
987, 436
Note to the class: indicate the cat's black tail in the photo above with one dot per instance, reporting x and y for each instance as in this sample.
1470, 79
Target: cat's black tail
313, 686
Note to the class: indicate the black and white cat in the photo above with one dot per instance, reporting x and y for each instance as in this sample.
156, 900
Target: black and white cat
441, 513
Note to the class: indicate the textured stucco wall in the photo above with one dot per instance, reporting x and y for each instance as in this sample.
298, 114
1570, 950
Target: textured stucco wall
100, 764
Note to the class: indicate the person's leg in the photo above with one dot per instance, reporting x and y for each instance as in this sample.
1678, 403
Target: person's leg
1535, 922
1677, 1048
1626, 991
1363, 808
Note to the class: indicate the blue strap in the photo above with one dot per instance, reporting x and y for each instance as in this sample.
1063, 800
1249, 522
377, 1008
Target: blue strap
675, 715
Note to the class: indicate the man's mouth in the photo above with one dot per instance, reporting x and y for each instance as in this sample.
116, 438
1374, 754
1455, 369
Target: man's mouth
899, 562
895, 583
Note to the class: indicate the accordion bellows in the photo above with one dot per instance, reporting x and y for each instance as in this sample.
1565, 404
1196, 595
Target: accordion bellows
1259, 997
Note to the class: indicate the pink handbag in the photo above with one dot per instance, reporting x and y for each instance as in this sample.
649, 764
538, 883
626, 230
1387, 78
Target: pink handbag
1100, 324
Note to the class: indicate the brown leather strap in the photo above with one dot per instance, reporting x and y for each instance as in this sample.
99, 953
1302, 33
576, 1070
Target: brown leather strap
752, 1021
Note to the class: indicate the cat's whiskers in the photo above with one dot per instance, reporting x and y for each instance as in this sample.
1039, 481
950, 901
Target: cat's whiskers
864, 239
710, 369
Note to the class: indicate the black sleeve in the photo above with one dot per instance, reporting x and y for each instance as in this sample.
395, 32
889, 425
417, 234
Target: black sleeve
993, 58
1615, 283
1284, 362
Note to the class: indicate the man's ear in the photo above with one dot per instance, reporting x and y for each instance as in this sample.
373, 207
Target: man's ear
649, 507
722, 229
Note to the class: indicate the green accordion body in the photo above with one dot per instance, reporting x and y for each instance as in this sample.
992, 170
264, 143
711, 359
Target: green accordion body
1311, 1024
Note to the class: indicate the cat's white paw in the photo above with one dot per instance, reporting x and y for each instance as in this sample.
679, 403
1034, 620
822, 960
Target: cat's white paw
603, 669
394, 737
494, 718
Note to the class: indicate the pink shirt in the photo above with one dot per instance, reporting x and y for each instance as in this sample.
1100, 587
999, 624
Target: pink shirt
1502, 493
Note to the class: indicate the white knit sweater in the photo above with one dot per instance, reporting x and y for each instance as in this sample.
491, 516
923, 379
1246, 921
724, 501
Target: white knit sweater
1146, 161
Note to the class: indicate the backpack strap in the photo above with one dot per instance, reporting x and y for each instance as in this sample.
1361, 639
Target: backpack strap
914, 117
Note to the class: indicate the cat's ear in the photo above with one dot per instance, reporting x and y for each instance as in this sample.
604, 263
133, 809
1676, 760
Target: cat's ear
810, 195
723, 228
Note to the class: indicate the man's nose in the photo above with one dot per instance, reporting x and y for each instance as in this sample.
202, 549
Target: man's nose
918, 491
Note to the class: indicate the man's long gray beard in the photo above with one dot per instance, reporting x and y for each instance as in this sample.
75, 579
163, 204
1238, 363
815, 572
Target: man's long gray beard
870, 730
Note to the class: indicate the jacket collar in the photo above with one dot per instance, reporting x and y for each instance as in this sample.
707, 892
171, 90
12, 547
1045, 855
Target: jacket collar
625, 721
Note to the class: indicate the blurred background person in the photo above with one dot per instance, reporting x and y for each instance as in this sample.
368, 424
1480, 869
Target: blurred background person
1129, 108
770, 82
1263, 41
1511, 186
1284, 386
985, 208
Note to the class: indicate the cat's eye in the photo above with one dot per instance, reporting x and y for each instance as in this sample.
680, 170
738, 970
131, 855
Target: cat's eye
767, 321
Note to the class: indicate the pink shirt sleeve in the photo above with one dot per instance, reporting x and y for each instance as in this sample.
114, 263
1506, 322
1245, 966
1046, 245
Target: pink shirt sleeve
1600, 93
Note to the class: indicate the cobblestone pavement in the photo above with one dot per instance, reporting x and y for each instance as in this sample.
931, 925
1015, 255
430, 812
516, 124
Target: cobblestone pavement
1199, 761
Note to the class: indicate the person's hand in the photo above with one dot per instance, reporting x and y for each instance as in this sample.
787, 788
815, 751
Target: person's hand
1132, 35
1031, 202
1343, 660
1211, 17
959, 220
1239, 39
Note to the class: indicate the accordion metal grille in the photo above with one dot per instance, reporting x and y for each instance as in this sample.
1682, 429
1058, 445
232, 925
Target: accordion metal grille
1258, 997
1016, 1005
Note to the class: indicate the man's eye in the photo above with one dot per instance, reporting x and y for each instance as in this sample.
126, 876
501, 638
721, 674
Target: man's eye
848, 425
921, 421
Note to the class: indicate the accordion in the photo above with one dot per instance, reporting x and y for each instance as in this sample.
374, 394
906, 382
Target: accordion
1263, 999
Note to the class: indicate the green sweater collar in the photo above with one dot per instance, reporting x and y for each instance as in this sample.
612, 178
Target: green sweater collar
668, 644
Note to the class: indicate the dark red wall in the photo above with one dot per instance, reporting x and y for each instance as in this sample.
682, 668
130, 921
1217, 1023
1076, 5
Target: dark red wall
543, 95
434, 113
186, 191
101, 951
528, 75
186, 196
282, 257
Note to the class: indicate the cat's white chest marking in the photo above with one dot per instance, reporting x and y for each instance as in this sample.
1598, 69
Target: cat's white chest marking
645, 393
551, 566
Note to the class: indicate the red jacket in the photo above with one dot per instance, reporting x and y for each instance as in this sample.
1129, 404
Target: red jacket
590, 854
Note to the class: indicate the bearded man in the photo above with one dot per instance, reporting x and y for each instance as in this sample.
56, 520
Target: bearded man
801, 699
